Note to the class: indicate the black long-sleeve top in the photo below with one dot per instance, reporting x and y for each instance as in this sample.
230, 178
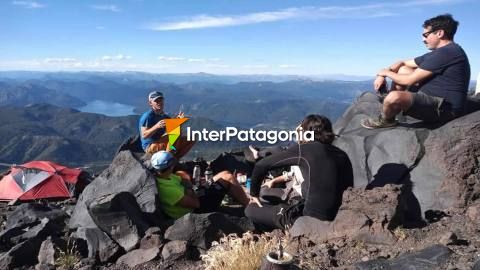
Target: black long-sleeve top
327, 171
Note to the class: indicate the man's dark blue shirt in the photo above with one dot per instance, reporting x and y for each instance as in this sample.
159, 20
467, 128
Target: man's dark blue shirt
451, 74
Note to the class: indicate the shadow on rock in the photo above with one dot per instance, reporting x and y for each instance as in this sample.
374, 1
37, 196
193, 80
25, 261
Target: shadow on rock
399, 174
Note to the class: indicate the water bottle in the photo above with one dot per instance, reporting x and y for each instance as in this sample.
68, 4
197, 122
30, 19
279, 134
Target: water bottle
209, 176
248, 184
196, 176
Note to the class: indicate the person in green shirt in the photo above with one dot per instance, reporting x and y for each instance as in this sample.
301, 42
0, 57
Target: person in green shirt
177, 197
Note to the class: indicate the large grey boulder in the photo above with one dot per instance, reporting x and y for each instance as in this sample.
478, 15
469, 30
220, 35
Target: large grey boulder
125, 174
439, 163
120, 217
200, 230
100, 246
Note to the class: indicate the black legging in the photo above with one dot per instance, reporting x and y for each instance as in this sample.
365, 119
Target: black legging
266, 217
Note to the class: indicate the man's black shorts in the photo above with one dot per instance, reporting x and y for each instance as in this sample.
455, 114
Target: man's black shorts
210, 198
430, 109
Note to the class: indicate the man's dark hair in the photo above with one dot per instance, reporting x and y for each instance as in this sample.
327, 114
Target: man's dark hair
321, 126
443, 22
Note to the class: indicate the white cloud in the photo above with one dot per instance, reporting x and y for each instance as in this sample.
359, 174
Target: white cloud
119, 57
217, 66
72, 64
311, 13
60, 60
186, 59
170, 58
196, 60
28, 4
255, 66
287, 66
65, 62
112, 8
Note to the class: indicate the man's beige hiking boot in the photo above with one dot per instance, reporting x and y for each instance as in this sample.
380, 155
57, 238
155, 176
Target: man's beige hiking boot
379, 123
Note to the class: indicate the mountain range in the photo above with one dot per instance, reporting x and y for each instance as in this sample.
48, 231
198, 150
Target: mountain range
40, 116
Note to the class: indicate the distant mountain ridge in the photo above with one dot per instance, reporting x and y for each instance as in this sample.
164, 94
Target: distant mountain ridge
74, 138
60, 133
21, 95
177, 78
237, 103
43, 131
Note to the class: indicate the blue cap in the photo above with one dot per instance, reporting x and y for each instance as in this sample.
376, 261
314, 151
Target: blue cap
162, 160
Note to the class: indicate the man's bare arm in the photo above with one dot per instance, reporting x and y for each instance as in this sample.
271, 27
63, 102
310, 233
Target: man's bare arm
397, 65
148, 132
416, 76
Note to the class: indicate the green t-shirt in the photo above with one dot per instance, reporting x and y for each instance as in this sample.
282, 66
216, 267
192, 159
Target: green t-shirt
170, 192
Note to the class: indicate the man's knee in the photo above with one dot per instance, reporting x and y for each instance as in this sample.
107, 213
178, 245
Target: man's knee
155, 147
402, 70
405, 70
224, 175
399, 99
224, 178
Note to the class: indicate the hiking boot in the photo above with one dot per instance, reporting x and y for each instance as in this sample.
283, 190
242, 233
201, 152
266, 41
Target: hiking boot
378, 123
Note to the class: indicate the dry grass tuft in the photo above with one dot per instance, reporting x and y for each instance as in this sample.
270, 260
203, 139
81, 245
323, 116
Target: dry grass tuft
400, 233
68, 258
240, 253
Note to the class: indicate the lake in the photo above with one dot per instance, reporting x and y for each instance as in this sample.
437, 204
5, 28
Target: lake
107, 108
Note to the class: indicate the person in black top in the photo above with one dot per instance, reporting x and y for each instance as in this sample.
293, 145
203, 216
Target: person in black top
327, 172
440, 79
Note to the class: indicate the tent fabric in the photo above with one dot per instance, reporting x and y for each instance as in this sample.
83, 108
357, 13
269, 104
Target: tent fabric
38, 180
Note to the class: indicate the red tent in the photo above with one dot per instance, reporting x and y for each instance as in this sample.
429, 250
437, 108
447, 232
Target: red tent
37, 180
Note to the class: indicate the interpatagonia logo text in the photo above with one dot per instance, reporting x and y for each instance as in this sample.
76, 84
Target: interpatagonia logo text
271, 136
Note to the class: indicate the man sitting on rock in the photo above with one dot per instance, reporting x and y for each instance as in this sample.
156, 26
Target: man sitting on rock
437, 81
152, 128
177, 197
327, 173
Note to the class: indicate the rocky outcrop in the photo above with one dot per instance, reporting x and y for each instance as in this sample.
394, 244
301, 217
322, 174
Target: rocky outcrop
139, 256
429, 258
120, 217
365, 215
125, 174
100, 246
21, 244
31, 213
200, 230
439, 163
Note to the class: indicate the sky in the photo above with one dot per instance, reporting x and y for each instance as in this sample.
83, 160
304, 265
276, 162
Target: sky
225, 36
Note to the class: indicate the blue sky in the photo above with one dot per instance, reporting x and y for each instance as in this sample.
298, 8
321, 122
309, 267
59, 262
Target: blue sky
224, 36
